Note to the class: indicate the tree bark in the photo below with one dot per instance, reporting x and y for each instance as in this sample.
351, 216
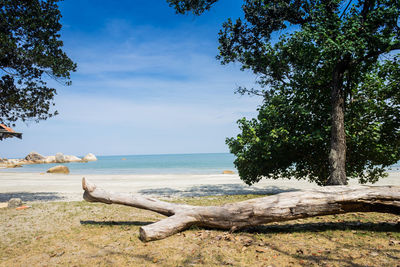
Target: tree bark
337, 155
281, 207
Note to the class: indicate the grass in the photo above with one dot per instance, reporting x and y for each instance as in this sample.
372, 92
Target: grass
86, 234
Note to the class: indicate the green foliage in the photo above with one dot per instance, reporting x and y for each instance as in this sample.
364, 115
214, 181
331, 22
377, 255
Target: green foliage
294, 123
195, 6
30, 51
291, 135
355, 40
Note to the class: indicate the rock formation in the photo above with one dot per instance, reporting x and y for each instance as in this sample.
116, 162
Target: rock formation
58, 169
71, 158
13, 163
14, 202
35, 157
89, 157
50, 159
60, 158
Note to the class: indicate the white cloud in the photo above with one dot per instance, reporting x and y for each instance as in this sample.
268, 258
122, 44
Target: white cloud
157, 94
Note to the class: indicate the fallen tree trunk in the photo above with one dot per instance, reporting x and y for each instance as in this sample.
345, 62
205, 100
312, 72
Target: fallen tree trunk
280, 207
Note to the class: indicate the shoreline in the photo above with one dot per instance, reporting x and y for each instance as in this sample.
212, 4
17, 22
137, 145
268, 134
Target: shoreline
61, 187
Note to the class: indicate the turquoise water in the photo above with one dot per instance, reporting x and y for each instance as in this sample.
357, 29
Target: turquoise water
212, 163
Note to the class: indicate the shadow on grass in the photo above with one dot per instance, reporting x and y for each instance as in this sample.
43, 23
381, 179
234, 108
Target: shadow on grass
215, 190
343, 259
110, 223
305, 259
324, 226
27, 196
286, 228
103, 252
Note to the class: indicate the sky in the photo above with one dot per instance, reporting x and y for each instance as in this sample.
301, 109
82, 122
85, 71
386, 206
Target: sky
147, 82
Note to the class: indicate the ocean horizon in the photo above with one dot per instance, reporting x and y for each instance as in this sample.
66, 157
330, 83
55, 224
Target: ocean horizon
194, 163
190, 163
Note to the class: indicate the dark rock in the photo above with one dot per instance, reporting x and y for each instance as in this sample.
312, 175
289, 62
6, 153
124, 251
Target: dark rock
14, 202
34, 157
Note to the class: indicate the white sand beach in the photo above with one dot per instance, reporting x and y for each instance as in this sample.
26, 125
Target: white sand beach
60, 187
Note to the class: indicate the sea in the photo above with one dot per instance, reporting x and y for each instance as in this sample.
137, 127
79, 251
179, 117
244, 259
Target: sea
204, 163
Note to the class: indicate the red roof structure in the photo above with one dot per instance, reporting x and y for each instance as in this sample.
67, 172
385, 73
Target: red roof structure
7, 132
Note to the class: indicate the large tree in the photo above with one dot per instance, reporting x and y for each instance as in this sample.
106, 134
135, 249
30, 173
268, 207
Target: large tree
329, 75
30, 53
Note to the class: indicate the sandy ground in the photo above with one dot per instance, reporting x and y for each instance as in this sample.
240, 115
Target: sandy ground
59, 187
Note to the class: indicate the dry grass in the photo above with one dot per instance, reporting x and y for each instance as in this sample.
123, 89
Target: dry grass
85, 234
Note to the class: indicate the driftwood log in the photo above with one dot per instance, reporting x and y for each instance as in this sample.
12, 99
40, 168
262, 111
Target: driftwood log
280, 207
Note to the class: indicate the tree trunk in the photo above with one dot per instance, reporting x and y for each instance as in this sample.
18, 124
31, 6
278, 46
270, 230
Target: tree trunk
337, 155
280, 207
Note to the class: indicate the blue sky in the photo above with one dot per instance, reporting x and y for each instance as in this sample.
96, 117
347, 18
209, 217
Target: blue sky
147, 83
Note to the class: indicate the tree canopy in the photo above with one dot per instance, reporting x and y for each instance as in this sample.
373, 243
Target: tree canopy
329, 75
30, 52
